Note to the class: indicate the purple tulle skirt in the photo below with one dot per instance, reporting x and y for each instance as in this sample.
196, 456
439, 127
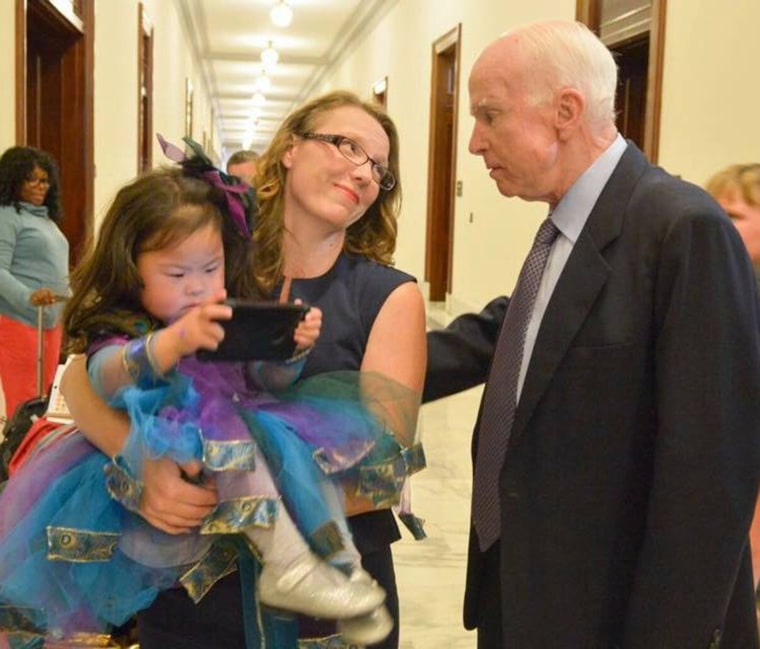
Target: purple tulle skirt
73, 557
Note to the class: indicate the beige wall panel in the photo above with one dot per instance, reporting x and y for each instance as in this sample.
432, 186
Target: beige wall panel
711, 97
7, 74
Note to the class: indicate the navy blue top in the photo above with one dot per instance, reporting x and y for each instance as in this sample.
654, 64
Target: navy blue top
350, 295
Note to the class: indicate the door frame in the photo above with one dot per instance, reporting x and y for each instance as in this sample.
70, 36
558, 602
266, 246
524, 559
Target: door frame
74, 17
440, 228
588, 12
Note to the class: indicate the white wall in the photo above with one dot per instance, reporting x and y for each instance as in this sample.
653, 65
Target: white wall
116, 100
711, 93
173, 63
7, 74
115, 87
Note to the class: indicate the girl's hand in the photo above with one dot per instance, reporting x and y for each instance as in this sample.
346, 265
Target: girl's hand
307, 332
199, 327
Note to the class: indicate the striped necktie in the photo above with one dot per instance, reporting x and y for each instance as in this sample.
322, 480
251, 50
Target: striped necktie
500, 399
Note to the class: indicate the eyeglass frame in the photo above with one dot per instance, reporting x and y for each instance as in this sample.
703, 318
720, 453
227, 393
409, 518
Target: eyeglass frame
37, 181
337, 141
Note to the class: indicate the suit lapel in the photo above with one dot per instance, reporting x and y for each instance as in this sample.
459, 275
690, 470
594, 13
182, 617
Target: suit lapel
583, 277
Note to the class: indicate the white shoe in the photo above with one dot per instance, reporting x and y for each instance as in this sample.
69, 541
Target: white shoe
367, 629
315, 588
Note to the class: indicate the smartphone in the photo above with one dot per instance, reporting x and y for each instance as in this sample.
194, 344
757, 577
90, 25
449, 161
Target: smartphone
257, 331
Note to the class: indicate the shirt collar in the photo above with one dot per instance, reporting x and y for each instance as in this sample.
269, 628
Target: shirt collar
36, 210
571, 213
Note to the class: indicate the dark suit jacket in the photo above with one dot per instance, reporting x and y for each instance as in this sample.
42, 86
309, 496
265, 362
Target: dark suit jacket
632, 468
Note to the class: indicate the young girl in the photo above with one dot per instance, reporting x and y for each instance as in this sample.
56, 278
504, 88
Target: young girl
149, 297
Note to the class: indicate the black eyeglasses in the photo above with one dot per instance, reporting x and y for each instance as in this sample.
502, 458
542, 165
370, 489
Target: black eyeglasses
354, 153
36, 180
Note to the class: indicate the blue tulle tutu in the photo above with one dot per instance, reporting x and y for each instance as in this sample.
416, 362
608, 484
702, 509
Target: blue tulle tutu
73, 557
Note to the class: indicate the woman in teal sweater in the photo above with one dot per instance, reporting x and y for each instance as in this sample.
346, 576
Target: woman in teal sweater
34, 267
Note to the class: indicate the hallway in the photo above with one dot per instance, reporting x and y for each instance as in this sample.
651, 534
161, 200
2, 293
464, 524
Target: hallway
431, 572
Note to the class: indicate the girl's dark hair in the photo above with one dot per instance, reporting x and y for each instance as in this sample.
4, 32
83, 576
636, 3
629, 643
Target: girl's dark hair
17, 165
158, 209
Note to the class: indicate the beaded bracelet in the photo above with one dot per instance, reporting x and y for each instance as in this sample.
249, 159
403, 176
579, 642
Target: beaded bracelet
138, 362
300, 356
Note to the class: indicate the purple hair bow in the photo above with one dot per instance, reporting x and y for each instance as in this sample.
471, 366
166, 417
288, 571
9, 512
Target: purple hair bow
234, 192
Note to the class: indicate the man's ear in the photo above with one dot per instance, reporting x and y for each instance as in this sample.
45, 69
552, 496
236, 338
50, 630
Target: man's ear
571, 107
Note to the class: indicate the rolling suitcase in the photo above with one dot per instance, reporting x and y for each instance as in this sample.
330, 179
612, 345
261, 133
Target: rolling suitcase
27, 413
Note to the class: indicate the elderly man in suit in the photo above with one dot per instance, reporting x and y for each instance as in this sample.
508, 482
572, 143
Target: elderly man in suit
617, 448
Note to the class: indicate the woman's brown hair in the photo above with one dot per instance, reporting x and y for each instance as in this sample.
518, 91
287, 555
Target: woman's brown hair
372, 236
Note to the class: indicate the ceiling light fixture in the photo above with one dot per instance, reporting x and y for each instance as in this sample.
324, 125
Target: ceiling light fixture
263, 83
269, 56
258, 98
281, 14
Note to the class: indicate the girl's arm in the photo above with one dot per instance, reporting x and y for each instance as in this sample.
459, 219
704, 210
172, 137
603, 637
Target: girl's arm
151, 357
397, 349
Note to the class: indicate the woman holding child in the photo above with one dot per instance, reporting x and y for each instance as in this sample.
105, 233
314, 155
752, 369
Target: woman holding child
328, 196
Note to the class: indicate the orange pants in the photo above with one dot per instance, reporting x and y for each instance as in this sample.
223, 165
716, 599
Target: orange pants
18, 361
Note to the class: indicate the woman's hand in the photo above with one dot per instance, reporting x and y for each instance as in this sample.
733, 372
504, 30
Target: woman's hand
172, 503
307, 332
169, 502
43, 297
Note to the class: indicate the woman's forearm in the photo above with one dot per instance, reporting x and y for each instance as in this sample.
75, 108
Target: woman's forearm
103, 426
393, 372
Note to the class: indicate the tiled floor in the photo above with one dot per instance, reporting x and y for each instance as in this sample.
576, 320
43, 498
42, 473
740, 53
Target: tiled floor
431, 572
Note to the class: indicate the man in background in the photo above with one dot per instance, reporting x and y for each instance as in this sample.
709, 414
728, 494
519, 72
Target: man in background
243, 165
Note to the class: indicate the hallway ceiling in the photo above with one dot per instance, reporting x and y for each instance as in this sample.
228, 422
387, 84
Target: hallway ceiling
228, 37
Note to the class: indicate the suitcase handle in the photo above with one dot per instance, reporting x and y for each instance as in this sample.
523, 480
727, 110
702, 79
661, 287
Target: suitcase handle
40, 349
41, 345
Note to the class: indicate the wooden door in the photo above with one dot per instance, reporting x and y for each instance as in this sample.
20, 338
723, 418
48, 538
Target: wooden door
444, 94
634, 30
54, 106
